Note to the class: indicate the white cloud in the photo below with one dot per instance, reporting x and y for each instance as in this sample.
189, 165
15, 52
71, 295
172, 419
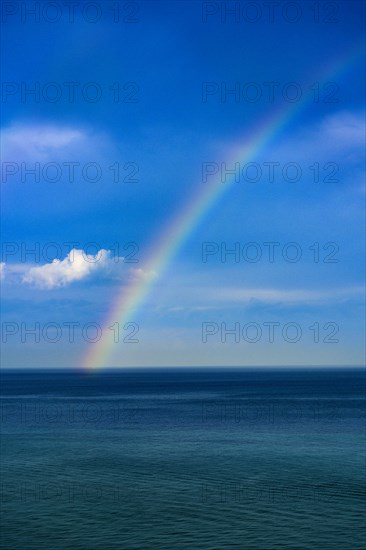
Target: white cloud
27, 143
76, 266
37, 143
337, 136
345, 129
138, 274
287, 297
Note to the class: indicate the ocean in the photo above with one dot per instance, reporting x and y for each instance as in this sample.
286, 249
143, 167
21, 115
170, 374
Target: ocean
194, 459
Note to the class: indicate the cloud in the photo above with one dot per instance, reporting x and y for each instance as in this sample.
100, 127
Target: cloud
345, 129
61, 166
337, 136
75, 267
139, 274
2, 271
37, 143
43, 143
286, 297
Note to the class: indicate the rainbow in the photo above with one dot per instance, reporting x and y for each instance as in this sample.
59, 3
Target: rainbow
175, 234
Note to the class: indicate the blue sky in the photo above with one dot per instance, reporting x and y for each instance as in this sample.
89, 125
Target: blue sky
160, 134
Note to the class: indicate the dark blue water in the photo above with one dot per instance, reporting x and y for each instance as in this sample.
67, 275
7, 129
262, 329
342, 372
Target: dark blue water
186, 459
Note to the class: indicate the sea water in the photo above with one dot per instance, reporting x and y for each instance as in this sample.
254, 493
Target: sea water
183, 458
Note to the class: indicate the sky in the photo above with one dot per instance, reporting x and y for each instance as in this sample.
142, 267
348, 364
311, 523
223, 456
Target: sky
190, 174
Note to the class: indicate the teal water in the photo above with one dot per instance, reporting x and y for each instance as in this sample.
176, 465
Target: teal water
186, 459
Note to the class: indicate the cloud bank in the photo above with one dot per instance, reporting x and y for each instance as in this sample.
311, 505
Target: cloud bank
76, 266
